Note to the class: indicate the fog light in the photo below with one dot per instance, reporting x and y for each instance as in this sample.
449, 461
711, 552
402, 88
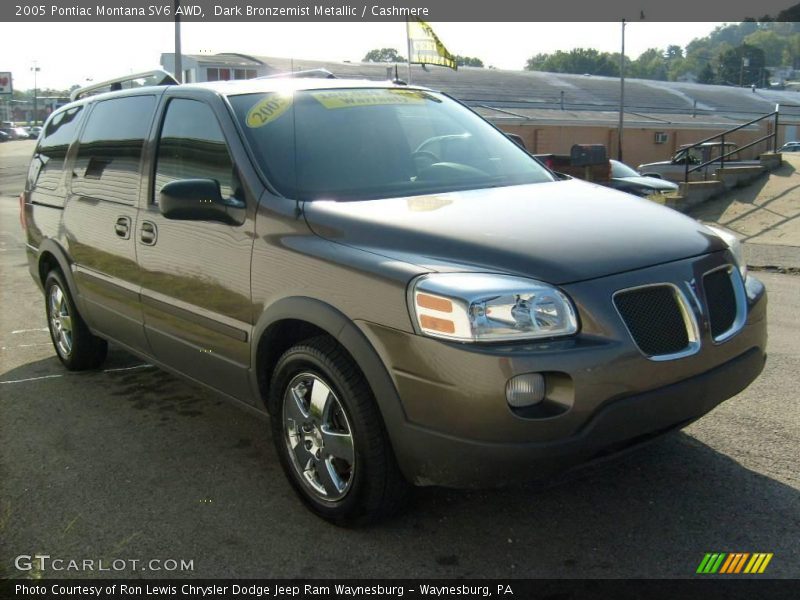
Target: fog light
525, 390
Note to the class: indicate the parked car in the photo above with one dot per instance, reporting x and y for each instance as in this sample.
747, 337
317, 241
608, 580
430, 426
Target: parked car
11, 132
404, 319
33, 132
675, 168
790, 147
625, 179
21, 133
4, 137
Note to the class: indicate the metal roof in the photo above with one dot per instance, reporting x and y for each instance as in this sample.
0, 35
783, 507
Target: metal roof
228, 59
533, 89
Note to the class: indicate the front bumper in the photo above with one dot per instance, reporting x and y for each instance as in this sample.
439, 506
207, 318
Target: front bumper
460, 432
454, 462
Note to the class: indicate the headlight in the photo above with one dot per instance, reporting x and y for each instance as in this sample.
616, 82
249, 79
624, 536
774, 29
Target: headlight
479, 307
734, 245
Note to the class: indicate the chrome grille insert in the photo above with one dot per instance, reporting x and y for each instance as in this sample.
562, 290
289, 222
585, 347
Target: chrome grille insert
659, 320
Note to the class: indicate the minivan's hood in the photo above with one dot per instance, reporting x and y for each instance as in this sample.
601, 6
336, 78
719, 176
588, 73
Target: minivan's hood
559, 232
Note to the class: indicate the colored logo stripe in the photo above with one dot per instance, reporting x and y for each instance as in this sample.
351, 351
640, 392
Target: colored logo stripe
711, 562
734, 562
758, 563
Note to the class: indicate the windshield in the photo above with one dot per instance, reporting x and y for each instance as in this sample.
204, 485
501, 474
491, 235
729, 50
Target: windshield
619, 169
357, 144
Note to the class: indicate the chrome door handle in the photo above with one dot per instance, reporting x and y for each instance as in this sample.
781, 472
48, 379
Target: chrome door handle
149, 233
123, 227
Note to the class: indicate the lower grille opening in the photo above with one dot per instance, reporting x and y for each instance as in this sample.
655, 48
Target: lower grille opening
721, 301
654, 318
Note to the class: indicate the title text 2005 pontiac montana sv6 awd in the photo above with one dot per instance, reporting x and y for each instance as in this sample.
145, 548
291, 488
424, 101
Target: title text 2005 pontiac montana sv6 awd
410, 295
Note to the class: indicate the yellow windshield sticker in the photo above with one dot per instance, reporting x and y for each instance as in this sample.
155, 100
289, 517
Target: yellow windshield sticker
267, 110
333, 99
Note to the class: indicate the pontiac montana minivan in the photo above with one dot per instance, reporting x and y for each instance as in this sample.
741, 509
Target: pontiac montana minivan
411, 296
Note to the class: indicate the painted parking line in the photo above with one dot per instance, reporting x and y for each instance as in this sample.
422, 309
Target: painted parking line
31, 379
24, 346
28, 330
143, 366
27, 379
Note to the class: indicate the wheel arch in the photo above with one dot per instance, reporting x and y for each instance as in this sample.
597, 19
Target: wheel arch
293, 319
51, 255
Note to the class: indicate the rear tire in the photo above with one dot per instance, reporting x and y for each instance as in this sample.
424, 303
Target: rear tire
75, 345
330, 437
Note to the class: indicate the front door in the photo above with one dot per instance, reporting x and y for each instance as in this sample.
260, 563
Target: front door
196, 274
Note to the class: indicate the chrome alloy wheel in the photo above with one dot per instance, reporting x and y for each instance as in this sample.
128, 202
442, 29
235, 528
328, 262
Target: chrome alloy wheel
319, 437
60, 321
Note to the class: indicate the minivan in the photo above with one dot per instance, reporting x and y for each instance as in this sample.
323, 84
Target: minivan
412, 297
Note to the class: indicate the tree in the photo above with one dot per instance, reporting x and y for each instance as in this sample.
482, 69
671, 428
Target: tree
651, 64
468, 61
383, 55
743, 65
536, 63
771, 43
673, 52
706, 74
578, 60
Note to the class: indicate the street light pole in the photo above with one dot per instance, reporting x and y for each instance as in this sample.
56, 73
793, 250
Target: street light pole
621, 95
178, 59
35, 70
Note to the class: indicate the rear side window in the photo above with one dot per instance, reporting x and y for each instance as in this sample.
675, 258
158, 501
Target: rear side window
109, 156
191, 146
47, 166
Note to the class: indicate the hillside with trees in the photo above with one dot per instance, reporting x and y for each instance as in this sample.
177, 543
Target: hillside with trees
744, 53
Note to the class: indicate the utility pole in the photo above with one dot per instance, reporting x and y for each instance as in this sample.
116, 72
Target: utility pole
35, 70
745, 63
408, 48
621, 95
178, 60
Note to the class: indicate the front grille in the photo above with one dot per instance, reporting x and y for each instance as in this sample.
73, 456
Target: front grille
654, 318
721, 301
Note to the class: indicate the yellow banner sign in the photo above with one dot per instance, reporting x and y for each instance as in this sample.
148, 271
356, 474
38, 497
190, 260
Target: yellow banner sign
425, 47
368, 97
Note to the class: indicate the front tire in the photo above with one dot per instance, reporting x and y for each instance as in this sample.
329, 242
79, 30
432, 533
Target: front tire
330, 436
75, 345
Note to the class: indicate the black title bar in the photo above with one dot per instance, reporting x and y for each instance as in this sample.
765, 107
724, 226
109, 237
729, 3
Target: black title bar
706, 587
398, 10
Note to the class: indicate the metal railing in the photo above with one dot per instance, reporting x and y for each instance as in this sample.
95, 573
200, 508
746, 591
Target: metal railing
721, 136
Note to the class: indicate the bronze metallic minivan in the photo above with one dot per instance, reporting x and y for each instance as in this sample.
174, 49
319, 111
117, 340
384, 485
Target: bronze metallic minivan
411, 296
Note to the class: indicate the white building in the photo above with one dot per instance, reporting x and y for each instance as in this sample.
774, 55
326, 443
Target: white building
215, 67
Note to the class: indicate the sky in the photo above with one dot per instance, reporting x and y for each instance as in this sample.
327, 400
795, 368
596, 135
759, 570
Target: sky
72, 53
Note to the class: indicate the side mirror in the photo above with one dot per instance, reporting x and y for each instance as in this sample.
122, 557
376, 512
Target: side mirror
199, 200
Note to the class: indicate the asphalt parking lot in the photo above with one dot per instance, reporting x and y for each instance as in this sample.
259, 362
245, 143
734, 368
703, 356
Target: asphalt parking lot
132, 463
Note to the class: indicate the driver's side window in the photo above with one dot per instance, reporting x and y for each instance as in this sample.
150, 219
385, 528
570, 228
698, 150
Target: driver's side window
191, 146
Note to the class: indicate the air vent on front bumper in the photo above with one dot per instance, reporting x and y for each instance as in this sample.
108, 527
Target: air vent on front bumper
659, 321
727, 308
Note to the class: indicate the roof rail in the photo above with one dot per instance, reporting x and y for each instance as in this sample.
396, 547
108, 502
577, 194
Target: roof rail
160, 77
310, 73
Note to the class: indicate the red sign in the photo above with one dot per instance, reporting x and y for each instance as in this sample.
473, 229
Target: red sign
5, 83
